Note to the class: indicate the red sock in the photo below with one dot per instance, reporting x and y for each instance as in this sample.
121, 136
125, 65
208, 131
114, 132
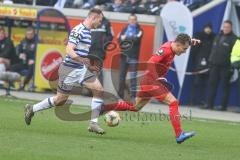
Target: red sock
175, 117
119, 106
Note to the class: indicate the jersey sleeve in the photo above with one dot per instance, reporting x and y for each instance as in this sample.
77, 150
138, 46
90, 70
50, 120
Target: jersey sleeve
159, 55
74, 37
157, 63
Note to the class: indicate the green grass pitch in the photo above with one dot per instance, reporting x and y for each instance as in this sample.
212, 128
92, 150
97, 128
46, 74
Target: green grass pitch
49, 138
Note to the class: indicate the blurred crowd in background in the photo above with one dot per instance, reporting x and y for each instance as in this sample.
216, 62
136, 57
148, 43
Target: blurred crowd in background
152, 7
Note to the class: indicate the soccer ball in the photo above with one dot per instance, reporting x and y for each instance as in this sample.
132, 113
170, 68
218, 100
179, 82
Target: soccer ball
112, 118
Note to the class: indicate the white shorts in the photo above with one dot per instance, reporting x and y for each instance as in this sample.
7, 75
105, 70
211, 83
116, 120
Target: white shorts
72, 77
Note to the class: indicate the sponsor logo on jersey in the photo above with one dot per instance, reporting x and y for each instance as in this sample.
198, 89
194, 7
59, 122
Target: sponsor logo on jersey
159, 52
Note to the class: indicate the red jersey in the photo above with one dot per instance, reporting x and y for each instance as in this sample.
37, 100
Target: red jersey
161, 60
157, 66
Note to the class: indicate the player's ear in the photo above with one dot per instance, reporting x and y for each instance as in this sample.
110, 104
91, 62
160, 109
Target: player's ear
178, 44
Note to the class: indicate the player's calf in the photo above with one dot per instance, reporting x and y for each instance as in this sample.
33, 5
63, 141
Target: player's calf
119, 106
175, 117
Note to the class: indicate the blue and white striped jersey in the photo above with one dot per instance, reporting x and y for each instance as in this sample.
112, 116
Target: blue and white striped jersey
81, 37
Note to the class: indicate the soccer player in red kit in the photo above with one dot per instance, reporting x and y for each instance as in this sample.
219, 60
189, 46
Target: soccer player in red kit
153, 84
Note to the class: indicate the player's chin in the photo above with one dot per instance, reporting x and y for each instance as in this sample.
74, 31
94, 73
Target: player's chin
178, 54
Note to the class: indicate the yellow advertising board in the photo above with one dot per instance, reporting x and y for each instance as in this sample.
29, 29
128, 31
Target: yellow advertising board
18, 12
52, 38
50, 53
17, 35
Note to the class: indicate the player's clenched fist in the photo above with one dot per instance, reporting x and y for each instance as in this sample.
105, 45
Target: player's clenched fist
195, 41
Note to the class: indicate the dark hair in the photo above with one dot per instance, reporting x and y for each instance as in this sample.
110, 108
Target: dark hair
183, 39
133, 15
95, 11
228, 21
208, 25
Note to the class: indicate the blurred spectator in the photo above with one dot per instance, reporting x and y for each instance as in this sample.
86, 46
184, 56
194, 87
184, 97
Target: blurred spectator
235, 62
46, 3
101, 36
220, 66
61, 3
23, 1
77, 3
26, 54
194, 4
235, 55
130, 41
154, 6
200, 60
135, 6
89, 4
68, 3
7, 51
38, 2
117, 6
7, 1
74, 3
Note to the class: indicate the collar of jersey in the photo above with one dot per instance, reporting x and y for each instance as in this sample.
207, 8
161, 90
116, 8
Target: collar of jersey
85, 27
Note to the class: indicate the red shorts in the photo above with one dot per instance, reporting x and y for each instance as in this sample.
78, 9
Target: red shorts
156, 88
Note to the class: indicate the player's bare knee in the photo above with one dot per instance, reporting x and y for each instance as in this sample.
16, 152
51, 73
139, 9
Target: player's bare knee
99, 88
98, 91
59, 101
62, 102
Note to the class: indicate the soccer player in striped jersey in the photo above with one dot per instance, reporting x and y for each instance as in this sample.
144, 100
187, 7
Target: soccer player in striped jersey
76, 70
